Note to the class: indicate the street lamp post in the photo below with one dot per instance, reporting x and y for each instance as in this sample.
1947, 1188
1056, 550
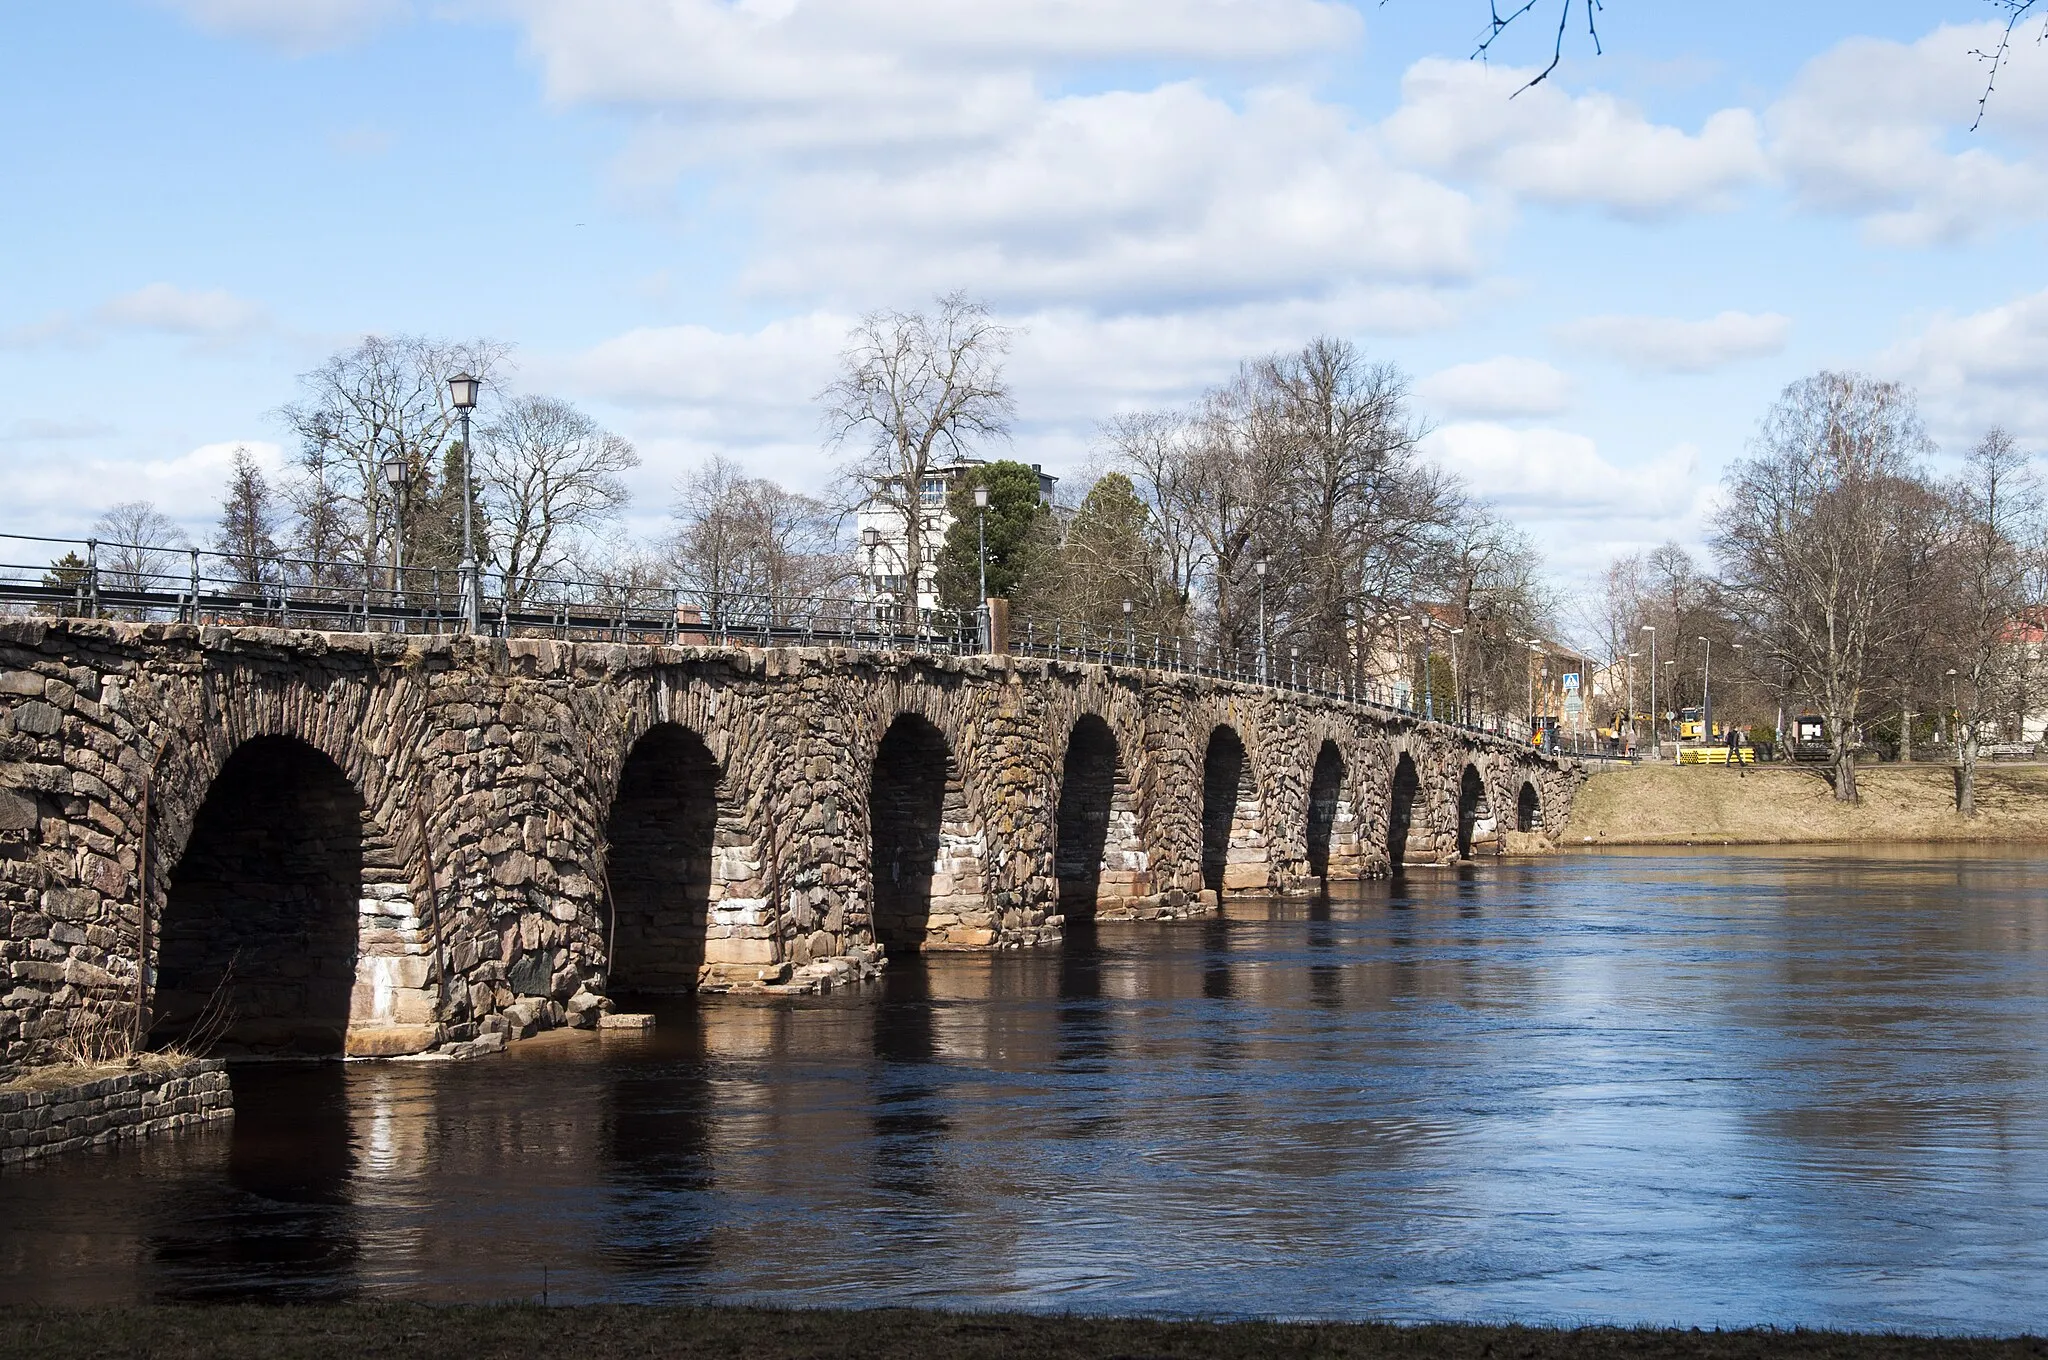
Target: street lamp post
1629, 670
1130, 638
871, 539
981, 552
394, 477
1261, 569
1707, 693
1428, 681
463, 389
1535, 648
1461, 709
1656, 740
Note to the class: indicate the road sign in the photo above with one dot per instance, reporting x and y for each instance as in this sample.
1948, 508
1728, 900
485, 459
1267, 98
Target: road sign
1571, 681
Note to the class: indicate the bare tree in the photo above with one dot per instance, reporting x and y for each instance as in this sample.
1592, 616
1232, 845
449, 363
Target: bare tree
136, 541
915, 391
739, 536
249, 517
1989, 592
549, 477
1154, 447
1807, 536
387, 398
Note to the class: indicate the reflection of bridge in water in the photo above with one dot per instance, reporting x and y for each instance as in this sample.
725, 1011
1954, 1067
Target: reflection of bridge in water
387, 843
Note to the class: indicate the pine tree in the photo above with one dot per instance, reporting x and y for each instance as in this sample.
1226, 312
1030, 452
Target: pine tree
1020, 538
247, 537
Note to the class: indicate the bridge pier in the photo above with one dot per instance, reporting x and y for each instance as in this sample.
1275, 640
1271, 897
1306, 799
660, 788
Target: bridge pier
389, 844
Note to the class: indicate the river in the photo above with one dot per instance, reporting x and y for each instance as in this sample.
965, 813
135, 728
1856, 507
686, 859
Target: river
1688, 1088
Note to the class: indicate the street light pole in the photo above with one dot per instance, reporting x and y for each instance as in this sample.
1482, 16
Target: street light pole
463, 388
1656, 740
1707, 693
1428, 681
394, 476
1460, 709
981, 551
1261, 569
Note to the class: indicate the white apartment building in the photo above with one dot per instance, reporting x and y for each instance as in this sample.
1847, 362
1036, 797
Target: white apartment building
881, 541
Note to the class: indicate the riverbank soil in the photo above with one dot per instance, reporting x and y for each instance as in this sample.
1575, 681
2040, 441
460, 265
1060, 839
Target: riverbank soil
1711, 804
524, 1332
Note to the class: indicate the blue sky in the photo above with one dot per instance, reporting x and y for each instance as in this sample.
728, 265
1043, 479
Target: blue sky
674, 208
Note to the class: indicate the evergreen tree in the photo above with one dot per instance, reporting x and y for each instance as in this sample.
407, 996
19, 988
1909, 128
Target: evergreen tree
1020, 538
247, 537
1111, 555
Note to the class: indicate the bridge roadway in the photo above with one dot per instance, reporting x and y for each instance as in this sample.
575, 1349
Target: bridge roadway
280, 841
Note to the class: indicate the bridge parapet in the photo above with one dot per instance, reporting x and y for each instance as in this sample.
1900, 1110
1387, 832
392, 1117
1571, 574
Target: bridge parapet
379, 843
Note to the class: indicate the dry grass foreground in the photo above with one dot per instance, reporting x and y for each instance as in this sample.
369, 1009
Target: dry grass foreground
1709, 804
524, 1332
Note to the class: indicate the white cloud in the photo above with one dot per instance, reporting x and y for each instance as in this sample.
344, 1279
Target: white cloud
833, 65
1127, 199
1560, 474
296, 26
1500, 387
72, 491
1981, 369
1657, 344
1878, 129
1457, 118
210, 313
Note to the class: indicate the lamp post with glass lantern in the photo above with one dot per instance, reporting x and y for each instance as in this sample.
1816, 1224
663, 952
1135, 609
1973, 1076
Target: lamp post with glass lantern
1535, 650
981, 553
1130, 638
1656, 741
871, 539
1460, 711
463, 389
1260, 568
394, 477
1707, 694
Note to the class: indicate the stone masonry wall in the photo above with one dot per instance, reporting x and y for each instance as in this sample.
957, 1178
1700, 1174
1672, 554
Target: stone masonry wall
487, 770
119, 1108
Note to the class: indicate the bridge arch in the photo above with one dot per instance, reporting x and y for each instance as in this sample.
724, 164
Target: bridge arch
660, 838
1326, 803
1474, 808
925, 853
258, 937
1095, 819
1234, 854
1528, 808
1401, 809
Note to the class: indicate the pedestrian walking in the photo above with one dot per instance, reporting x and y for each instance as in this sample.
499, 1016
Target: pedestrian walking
1735, 750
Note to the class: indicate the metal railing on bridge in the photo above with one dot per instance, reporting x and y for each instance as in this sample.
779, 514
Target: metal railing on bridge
98, 578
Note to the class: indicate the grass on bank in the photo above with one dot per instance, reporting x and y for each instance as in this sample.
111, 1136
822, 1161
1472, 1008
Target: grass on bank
1711, 804
526, 1332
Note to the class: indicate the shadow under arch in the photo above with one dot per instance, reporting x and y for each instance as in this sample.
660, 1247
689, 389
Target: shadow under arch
1471, 801
659, 838
1528, 809
1087, 796
1325, 788
912, 783
1223, 779
257, 941
1401, 811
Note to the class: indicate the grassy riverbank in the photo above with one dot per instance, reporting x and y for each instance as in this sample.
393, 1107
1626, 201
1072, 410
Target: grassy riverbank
525, 1333
1712, 805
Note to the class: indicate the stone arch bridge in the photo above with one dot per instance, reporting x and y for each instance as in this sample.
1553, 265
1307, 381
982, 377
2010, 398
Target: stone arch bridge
307, 842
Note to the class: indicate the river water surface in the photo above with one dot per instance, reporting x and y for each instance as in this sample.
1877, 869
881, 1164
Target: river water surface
1752, 1087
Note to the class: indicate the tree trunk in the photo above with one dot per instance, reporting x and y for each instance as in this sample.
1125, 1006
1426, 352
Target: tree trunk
1845, 765
1906, 736
1966, 780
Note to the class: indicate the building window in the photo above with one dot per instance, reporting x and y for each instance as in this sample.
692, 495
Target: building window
933, 492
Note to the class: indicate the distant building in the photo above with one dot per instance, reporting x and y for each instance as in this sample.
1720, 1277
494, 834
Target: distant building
883, 542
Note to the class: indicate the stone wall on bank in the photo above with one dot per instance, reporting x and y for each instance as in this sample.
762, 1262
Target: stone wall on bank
112, 1109
487, 884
